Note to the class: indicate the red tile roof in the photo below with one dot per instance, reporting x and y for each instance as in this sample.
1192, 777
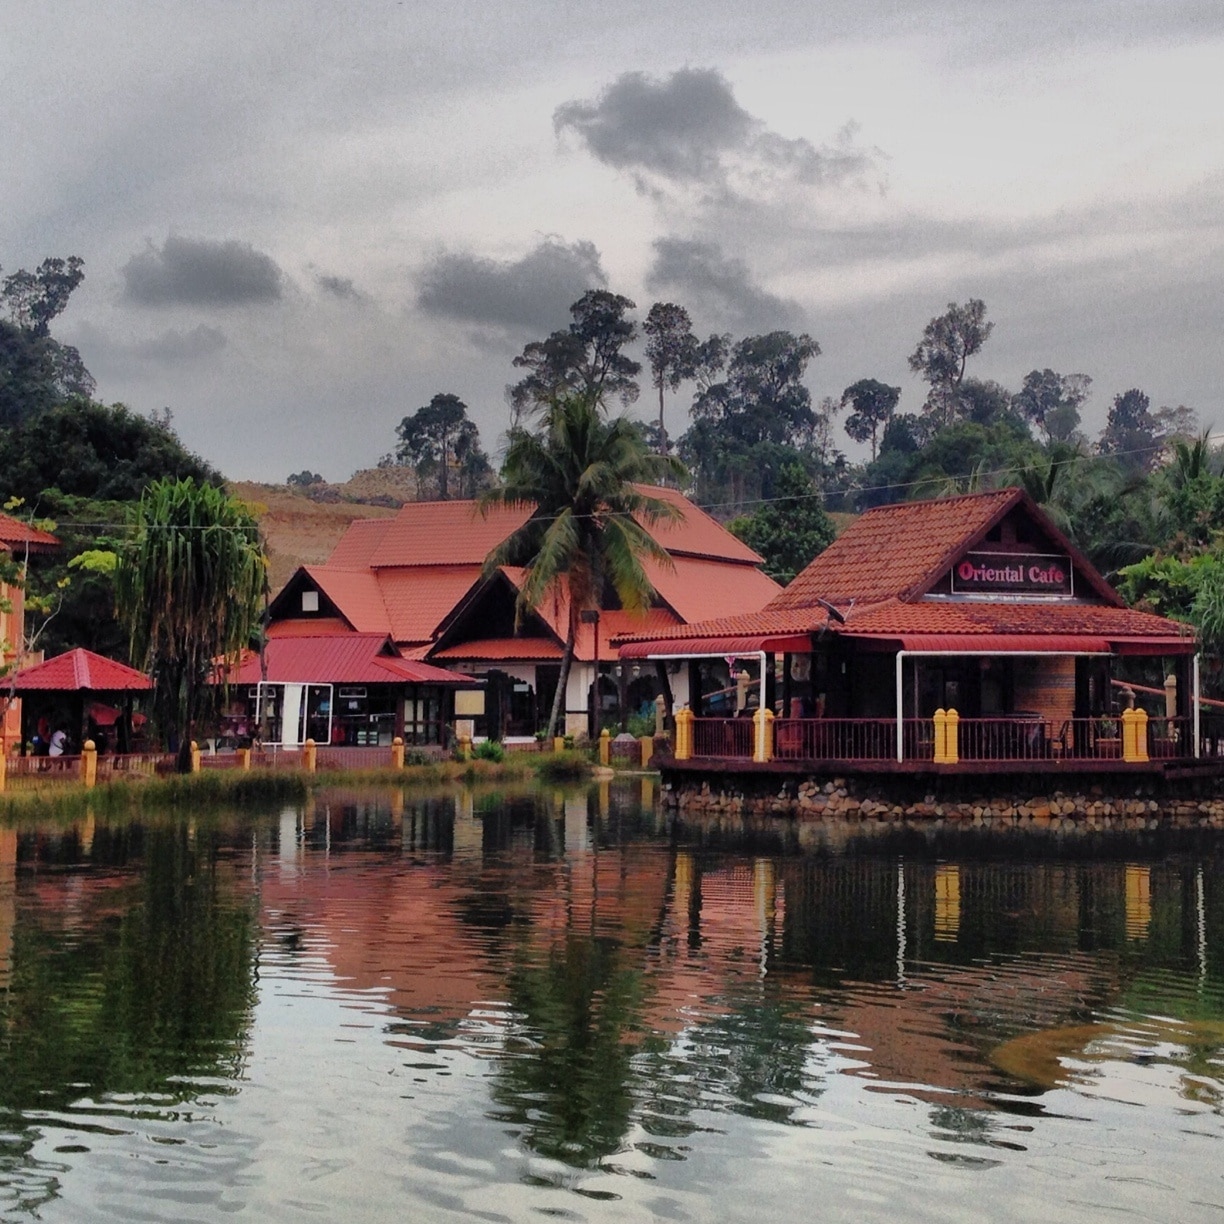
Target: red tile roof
419, 598
893, 549
877, 571
343, 658
81, 671
315, 626
356, 547
696, 534
356, 596
444, 533
19, 536
697, 588
503, 649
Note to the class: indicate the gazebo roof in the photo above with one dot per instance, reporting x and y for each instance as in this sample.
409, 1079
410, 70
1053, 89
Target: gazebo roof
80, 671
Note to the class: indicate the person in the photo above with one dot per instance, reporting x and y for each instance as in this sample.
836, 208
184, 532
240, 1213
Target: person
59, 742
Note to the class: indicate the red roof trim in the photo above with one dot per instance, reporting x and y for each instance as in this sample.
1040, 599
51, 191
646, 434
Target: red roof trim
687, 647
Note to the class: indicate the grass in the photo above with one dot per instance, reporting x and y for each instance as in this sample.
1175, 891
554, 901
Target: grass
258, 788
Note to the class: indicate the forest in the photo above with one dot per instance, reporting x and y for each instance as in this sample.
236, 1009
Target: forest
1144, 499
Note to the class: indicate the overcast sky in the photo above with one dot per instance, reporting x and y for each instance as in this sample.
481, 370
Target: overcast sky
300, 220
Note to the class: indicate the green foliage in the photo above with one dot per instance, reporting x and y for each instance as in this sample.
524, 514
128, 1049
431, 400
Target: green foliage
90, 450
1131, 432
190, 588
948, 342
672, 351
489, 750
438, 434
789, 531
873, 404
587, 359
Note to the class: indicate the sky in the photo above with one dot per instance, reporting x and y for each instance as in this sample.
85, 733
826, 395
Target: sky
301, 220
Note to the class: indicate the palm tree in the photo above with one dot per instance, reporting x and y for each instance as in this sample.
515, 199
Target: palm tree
189, 589
589, 529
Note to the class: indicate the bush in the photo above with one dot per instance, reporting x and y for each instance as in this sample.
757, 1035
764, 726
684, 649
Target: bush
489, 750
640, 724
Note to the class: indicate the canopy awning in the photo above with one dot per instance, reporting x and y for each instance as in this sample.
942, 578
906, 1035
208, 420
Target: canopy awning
991, 643
695, 647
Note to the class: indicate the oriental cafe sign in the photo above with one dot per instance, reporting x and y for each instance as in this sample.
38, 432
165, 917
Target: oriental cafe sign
978, 573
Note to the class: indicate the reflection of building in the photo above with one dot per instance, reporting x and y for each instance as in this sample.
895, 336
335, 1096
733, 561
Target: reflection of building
418, 580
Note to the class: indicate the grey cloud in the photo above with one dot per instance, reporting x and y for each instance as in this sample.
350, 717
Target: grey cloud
532, 294
339, 287
688, 128
175, 346
718, 287
201, 272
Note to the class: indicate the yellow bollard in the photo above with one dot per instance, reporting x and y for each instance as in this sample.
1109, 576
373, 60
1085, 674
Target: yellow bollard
684, 734
1141, 735
941, 737
195, 757
762, 737
952, 738
605, 747
3, 770
465, 747
558, 743
244, 759
89, 763
309, 756
397, 753
647, 742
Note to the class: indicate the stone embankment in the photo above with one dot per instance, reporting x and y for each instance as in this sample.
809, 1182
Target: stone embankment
847, 799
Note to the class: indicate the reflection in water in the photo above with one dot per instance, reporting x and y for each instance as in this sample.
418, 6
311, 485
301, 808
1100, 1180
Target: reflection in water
468, 993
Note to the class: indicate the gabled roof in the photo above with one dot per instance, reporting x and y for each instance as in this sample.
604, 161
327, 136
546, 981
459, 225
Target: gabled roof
696, 588
877, 572
78, 671
696, 534
21, 536
355, 594
356, 546
343, 658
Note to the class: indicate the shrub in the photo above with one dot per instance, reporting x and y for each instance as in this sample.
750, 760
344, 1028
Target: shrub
489, 750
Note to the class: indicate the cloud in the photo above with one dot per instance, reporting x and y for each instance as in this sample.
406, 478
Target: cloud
201, 272
688, 128
532, 294
175, 346
717, 286
340, 287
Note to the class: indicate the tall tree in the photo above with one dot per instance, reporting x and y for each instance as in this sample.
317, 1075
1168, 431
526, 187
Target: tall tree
589, 529
587, 359
1131, 434
434, 436
874, 403
790, 530
671, 350
37, 372
948, 342
1052, 402
190, 588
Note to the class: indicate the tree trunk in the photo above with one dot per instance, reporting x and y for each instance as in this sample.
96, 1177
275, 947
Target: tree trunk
567, 658
662, 427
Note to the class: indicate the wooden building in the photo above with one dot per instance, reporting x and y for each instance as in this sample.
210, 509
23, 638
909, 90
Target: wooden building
975, 604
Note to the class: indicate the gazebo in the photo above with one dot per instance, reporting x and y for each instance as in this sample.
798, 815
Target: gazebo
85, 693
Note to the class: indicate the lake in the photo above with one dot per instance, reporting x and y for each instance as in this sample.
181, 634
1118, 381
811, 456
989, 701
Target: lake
565, 1004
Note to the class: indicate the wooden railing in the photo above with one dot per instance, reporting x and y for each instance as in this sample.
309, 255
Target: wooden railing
978, 739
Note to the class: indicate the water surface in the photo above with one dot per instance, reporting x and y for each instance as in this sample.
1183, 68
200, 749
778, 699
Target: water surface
564, 1005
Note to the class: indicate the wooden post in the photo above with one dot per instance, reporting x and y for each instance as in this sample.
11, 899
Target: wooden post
941, 737
952, 738
647, 742
195, 757
89, 763
244, 759
397, 753
684, 734
310, 757
605, 747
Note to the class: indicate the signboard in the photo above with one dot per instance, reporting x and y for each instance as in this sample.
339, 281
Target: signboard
1012, 574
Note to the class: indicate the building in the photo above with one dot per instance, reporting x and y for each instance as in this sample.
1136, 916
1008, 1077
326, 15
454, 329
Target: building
975, 604
18, 542
417, 581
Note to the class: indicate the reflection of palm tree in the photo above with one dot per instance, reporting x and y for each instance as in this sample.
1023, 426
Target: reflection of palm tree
567, 1071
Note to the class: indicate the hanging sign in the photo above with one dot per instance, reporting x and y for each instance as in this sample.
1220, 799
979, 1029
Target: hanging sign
1012, 573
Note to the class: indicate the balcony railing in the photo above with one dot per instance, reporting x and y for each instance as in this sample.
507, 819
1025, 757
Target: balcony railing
1017, 738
